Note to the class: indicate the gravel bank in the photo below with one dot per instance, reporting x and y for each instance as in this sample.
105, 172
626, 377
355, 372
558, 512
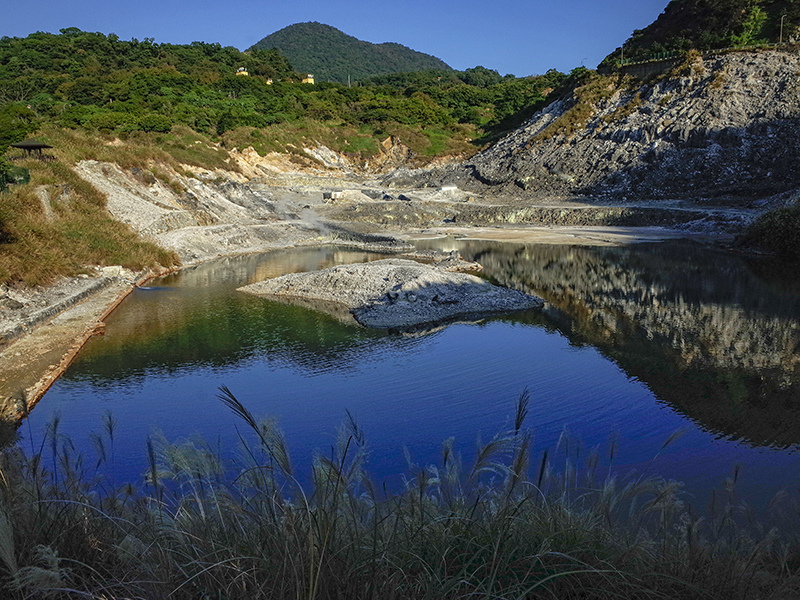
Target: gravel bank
396, 293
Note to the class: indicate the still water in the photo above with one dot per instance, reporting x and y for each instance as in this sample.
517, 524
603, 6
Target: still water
636, 343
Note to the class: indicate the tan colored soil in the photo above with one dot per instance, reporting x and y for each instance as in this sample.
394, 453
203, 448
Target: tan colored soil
587, 236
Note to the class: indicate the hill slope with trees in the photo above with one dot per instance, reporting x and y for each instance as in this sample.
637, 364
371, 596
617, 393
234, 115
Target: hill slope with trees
332, 55
101, 84
713, 24
143, 104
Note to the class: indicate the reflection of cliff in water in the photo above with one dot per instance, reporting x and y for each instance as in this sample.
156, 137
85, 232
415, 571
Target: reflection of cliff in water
196, 318
717, 342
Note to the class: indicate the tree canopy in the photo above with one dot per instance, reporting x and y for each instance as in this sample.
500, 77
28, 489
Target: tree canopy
93, 81
712, 24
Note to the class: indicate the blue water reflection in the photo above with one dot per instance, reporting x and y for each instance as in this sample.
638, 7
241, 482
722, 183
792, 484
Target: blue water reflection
167, 350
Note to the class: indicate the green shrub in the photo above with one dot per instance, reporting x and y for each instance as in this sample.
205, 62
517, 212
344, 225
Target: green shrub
154, 122
18, 175
5, 173
109, 121
776, 231
77, 116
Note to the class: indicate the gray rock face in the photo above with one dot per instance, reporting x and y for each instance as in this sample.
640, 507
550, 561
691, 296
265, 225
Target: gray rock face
730, 129
395, 293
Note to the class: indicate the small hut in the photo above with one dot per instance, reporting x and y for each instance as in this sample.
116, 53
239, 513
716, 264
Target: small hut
32, 147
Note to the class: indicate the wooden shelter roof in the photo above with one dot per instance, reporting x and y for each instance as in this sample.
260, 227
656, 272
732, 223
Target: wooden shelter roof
31, 145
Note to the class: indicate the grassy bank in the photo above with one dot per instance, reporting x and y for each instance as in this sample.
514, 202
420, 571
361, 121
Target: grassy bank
41, 240
509, 525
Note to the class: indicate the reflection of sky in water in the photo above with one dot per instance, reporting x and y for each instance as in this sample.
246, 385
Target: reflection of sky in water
167, 350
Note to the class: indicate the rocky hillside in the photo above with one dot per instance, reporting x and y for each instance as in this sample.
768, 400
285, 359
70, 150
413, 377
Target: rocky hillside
332, 55
722, 129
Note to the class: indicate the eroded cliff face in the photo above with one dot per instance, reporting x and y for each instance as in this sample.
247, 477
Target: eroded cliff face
725, 128
201, 218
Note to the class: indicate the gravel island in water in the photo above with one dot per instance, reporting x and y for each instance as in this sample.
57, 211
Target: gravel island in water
394, 293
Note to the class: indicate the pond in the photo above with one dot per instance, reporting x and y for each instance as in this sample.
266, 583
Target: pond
635, 343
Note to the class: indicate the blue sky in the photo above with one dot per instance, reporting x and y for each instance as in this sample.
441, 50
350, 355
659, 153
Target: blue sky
511, 36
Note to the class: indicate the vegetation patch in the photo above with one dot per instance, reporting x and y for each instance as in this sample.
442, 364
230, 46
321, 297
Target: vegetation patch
776, 231
624, 111
453, 139
690, 66
706, 25
586, 95
37, 247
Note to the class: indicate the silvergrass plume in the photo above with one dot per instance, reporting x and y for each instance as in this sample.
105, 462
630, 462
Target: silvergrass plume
486, 531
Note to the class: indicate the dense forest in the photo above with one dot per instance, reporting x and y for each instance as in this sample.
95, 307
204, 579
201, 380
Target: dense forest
332, 55
713, 24
99, 83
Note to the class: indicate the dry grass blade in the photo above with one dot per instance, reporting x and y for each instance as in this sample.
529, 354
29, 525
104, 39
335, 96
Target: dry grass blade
447, 535
522, 409
238, 408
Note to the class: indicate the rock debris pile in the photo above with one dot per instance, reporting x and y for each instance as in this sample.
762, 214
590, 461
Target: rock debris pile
396, 293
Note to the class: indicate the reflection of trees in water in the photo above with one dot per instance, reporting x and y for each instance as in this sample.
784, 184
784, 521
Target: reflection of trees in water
706, 334
197, 318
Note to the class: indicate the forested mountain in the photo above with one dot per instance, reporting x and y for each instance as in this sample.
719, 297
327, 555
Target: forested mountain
110, 87
331, 55
98, 81
710, 24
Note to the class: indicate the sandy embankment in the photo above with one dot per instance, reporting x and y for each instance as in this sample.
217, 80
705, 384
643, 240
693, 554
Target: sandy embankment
38, 347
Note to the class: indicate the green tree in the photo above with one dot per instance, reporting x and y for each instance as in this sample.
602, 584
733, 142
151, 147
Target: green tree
481, 77
154, 122
752, 28
16, 122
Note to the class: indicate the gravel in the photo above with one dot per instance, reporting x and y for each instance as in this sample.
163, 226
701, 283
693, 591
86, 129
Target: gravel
396, 293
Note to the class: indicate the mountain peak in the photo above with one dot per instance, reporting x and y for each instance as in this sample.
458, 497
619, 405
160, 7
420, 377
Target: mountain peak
332, 55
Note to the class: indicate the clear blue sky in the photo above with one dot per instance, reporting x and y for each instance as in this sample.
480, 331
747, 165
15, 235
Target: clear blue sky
511, 36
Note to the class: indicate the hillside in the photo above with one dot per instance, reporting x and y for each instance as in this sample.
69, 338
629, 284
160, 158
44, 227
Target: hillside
144, 105
332, 55
722, 129
710, 24
97, 82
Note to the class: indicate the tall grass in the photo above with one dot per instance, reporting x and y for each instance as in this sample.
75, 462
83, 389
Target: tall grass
181, 146
503, 526
36, 248
358, 142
